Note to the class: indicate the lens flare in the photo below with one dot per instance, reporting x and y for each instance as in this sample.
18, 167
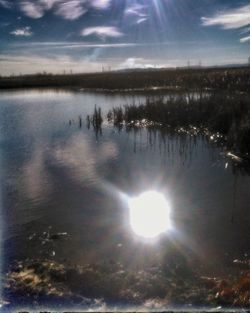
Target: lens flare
149, 214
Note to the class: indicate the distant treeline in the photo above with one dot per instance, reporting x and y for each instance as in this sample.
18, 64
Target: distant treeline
233, 79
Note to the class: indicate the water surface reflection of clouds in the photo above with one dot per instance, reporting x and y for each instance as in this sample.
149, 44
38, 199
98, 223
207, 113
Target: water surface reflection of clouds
77, 158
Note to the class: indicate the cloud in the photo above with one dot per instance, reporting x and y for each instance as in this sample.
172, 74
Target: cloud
245, 39
4, 24
245, 30
136, 9
131, 63
32, 10
49, 4
230, 19
72, 45
102, 31
22, 32
39, 46
100, 4
137, 13
6, 4
67, 9
30, 64
71, 10
141, 20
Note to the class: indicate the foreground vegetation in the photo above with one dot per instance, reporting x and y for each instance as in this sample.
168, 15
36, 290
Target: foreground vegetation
101, 286
201, 78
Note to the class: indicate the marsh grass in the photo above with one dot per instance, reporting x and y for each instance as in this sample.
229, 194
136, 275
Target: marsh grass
237, 79
217, 115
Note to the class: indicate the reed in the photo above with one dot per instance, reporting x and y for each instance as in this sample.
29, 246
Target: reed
224, 115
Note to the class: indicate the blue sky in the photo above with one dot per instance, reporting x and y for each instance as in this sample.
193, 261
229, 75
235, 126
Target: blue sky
86, 35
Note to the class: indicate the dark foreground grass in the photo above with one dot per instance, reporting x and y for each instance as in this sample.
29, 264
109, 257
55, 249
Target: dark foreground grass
227, 116
101, 286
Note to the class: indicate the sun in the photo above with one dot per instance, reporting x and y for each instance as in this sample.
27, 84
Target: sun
149, 214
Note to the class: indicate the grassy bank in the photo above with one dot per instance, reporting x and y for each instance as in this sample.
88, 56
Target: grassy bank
200, 78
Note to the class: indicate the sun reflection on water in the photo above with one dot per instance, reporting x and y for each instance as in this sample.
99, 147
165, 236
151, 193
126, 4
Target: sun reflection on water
149, 214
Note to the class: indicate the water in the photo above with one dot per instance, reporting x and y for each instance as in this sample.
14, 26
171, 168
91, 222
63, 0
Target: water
61, 178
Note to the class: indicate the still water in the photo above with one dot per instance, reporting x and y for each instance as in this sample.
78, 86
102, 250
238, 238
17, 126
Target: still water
73, 183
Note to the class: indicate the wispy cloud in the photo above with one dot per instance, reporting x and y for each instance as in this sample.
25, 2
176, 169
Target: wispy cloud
245, 30
67, 9
48, 4
6, 4
137, 13
100, 4
136, 9
102, 32
230, 19
141, 20
71, 10
32, 10
22, 32
62, 47
4, 24
245, 39
79, 44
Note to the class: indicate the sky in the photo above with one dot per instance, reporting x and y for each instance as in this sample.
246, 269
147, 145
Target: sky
64, 36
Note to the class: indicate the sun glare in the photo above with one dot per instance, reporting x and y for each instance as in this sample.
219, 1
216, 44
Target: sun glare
149, 214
